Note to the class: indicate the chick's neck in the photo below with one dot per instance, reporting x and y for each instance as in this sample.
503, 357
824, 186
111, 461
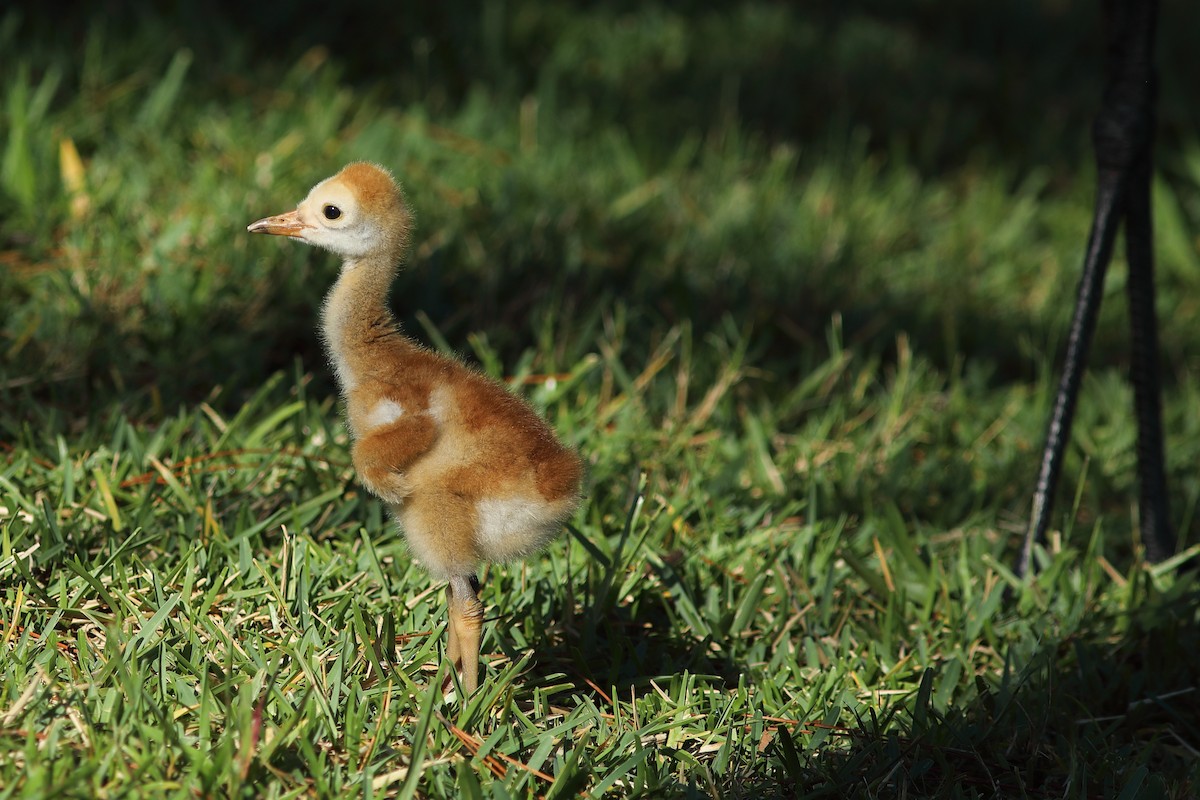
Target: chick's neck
356, 318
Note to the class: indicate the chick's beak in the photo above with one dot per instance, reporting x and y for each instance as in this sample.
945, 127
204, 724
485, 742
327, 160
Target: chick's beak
288, 224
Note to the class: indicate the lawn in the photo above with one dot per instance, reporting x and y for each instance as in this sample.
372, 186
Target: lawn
794, 279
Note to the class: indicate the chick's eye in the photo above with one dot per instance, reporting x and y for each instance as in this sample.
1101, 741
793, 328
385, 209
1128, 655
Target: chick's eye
331, 212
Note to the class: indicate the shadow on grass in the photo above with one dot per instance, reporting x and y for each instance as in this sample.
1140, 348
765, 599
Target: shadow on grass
936, 84
620, 642
1109, 710
944, 81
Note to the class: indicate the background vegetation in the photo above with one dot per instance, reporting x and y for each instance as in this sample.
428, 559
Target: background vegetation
793, 277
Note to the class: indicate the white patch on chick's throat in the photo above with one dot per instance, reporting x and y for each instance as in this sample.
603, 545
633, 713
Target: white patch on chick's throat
385, 412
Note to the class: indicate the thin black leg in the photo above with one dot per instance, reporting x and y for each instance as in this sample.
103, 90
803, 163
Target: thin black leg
1123, 135
1155, 521
1139, 85
1083, 324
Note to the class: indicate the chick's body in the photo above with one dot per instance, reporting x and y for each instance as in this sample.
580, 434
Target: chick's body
470, 471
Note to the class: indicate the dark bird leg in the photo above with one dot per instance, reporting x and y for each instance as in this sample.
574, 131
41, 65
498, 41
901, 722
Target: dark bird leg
1157, 534
1122, 134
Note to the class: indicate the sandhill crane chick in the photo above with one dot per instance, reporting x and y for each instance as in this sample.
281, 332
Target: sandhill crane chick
468, 469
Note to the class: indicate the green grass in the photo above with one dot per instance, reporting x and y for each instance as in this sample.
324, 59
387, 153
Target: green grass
806, 346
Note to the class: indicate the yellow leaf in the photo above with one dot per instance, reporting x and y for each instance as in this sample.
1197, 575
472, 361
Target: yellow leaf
71, 167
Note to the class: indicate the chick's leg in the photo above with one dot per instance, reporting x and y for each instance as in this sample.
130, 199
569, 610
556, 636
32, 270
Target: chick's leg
465, 628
